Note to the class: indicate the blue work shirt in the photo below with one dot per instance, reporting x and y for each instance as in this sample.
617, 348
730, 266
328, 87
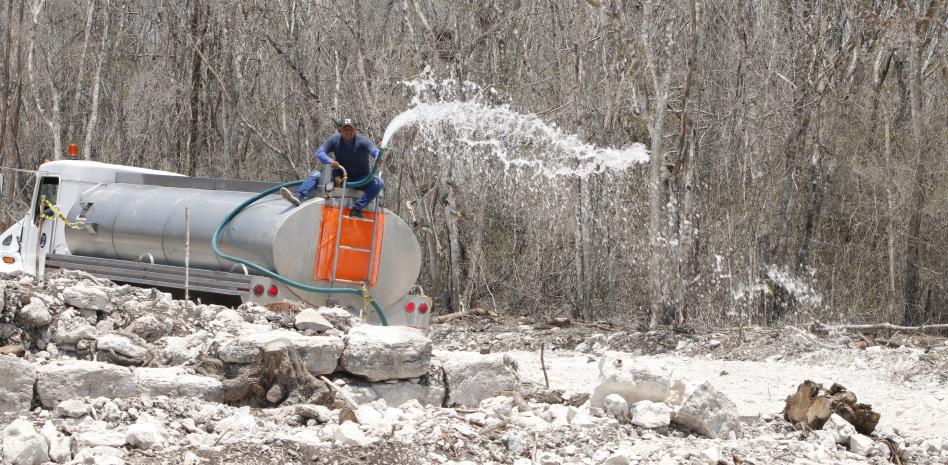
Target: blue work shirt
352, 155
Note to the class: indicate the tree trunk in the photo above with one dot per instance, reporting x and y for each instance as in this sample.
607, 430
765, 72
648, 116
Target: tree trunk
198, 28
912, 315
96, 83
5, 90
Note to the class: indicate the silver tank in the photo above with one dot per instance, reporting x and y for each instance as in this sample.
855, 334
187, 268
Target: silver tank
147, 222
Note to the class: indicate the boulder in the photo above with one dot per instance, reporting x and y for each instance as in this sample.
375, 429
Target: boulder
67, 379
238, 351
320, 354
648, 414
380, 353
349, 434
339, 317
399, 392
241, 420
60, 445
841, 429
180, 350
22, 445
16, 384
35, 314
175, 382
150, 328
100, 437
100, 455
472, 377
861, 444
72, 408
145, 435
120, 349
500, 406
615, 406
86, 297
635, 385
709, 412
310, 320
320, 413
70, 328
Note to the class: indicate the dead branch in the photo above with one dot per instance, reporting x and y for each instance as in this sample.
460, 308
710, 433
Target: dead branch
880, 327
352, 403
546, 379
473, 312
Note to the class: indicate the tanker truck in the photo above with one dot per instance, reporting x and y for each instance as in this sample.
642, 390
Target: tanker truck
238, 239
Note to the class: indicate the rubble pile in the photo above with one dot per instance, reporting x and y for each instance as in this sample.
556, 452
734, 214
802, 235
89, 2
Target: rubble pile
96, 373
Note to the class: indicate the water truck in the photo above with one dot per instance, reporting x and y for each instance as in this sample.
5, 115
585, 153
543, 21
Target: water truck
221, 237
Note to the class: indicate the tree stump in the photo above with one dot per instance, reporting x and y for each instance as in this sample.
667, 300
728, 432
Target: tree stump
812, 405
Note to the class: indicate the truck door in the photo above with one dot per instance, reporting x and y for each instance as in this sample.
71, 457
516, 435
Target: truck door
38, 240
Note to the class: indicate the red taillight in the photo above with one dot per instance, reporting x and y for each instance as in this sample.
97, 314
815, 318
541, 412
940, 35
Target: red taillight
272, 291
258, 289
410, 307
423, 308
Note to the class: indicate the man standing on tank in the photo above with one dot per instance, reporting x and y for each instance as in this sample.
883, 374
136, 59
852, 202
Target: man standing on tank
352, 151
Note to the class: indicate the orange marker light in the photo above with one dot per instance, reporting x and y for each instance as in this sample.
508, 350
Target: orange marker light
73, 151
9, 260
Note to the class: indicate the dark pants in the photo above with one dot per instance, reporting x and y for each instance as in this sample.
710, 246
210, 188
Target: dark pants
369, 191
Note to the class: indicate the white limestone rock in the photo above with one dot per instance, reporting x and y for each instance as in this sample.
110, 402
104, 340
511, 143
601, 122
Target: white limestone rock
86, 297
22, 445
320, 354
100, 437
62, 380
176, 382
319, 413
709, 412
339, 317
60, 445
16, 384
549, 458
615, 406
634, 384
648, 414
100, 455
405, 391
72, 408
472, 377
120, 345
150, 328
180, 350
238, 351
861, 444
499, 407
145, 435
309, 319
71, 328
241, 421
35, 314
349, 434
841, 429
380, 353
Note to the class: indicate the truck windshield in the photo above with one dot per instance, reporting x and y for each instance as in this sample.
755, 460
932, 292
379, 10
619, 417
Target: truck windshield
49, 187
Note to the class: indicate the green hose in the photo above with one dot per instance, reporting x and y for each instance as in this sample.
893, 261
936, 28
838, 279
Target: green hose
323, 290
375, 169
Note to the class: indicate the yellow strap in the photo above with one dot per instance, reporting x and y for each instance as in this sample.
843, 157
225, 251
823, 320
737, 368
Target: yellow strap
57, 215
